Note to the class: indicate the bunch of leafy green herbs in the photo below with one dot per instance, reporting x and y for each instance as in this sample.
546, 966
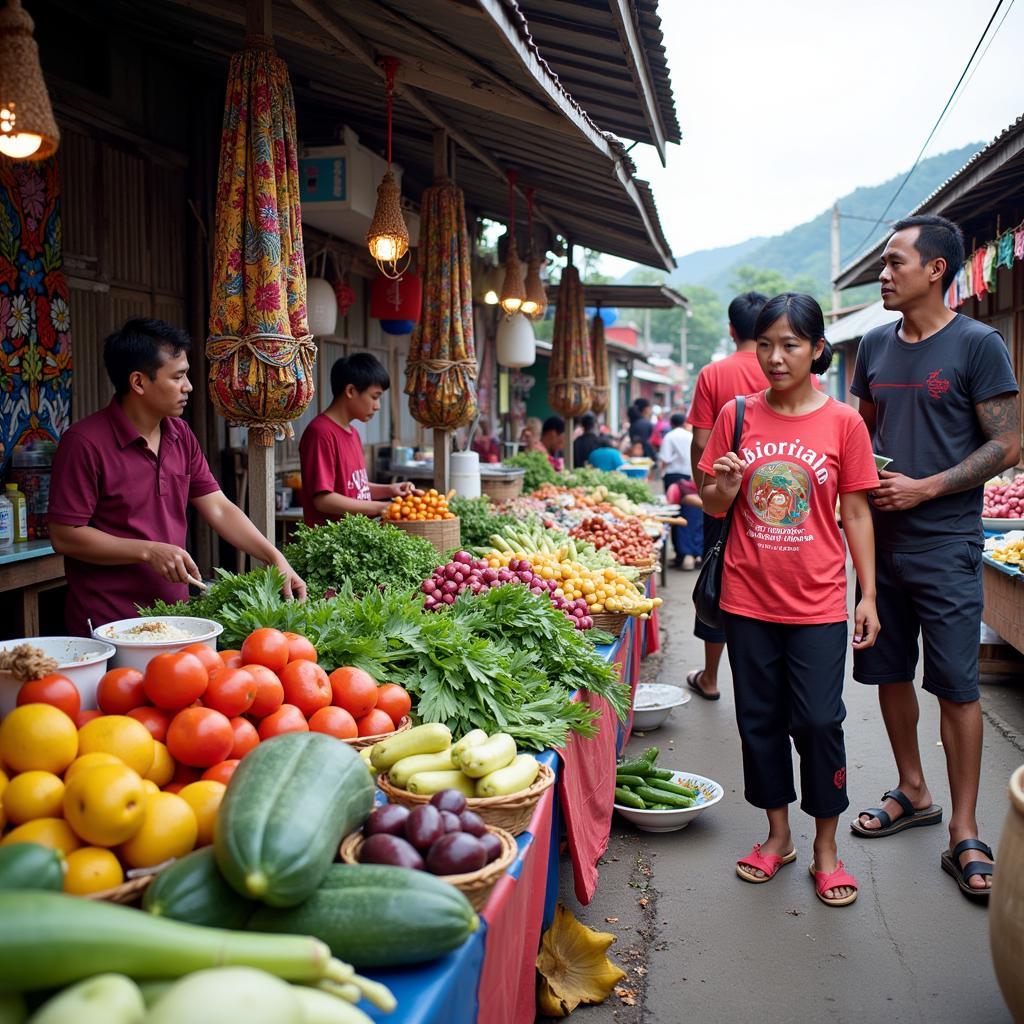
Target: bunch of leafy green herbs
362, 553
538, 469
477, 522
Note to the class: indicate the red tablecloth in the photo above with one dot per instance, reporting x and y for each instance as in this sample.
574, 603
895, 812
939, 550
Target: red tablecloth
652, 640
586, 784
514, 912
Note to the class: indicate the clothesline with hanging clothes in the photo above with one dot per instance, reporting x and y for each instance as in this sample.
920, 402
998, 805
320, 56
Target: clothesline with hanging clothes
979, 273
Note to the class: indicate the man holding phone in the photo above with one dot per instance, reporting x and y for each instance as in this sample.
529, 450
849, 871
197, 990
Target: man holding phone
939, 397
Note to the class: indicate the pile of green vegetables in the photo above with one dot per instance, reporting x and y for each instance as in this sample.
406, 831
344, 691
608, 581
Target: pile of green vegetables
538, 472
478, 521
538, 469
361, 552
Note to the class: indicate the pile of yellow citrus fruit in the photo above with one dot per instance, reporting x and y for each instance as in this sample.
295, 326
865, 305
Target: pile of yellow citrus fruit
94, 793
605, 590
419, 507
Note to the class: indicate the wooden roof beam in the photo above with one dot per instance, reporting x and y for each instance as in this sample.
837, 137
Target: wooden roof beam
636, 58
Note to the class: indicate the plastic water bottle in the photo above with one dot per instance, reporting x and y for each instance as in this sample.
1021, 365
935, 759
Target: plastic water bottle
19, 511
6, 523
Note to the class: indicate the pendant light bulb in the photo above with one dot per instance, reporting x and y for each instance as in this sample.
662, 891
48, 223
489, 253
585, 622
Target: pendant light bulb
513, 290
27, 126
536, 302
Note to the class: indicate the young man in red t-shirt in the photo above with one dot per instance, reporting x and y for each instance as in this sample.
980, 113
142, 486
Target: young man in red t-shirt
717, 384
334, 478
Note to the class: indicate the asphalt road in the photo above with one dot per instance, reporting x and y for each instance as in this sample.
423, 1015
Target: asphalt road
700, 945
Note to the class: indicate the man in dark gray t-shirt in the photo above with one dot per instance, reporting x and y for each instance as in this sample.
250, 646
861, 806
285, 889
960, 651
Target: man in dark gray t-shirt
939, 397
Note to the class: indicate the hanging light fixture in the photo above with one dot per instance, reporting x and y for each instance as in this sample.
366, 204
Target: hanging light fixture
536, 302
388, 236
27, 128
493, 281
513, 290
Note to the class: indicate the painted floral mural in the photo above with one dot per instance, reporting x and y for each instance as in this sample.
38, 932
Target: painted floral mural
35, 319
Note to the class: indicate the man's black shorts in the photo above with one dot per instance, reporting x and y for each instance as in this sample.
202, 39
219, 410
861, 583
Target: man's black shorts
939, 594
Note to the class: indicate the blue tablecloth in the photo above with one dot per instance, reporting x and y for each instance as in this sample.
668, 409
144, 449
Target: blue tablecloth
445, 991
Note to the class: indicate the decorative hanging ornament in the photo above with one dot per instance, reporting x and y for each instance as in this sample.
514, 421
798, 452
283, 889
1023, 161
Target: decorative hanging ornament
388, 236
321, 304
516, 344
344, 293
397, 302
513, 288
27, 128
535, 303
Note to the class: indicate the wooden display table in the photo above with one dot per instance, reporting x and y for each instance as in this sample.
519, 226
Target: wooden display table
31, 568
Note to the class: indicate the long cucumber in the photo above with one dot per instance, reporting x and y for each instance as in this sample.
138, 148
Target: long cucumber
628, 798
671, 787
49, 939
659, 796
629, 781
638, 766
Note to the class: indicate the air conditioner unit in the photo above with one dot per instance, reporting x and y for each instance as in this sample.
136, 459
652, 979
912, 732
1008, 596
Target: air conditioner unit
339, 189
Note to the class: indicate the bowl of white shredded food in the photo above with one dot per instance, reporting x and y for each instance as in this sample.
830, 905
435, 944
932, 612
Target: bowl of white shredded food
137, 641
80, 659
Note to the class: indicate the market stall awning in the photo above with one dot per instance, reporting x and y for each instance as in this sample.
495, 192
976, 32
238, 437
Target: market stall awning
610, 55
994, 175
470, 68
627, 296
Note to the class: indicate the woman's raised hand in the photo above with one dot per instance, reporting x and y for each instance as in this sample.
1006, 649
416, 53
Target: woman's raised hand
729, 473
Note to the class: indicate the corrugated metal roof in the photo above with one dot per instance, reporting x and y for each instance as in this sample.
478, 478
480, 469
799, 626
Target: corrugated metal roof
989, 175
856, 325
470, 66
626, 296
610, 56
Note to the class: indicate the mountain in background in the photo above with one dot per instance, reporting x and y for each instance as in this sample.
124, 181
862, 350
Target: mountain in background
804, 251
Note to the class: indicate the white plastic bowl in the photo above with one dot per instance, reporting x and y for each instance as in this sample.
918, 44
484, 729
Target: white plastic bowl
710, 792
80, 659
132, 653
653, 703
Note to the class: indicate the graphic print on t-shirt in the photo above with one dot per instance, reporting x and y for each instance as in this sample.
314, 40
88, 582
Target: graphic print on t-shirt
359, 485
779, 494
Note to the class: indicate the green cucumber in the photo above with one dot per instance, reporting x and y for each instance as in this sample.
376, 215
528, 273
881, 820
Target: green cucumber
378, 916
31, 866
661, 773
659, 796
629, 799
630, 780
638, 766
650, 755
193, 890
282, 819
671, 787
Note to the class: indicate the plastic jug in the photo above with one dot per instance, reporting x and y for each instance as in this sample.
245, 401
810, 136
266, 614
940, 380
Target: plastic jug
465, 474
19, 512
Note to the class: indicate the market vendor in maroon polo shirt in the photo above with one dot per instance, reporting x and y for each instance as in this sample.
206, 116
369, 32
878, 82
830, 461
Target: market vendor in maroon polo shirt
122, 482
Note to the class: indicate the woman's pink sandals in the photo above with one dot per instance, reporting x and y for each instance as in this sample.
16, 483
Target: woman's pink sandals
769, 863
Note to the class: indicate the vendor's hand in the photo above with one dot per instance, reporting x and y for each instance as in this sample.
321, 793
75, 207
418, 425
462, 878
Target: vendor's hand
865, 624
897, 493
402, 489
729, 474
294, 585
377, 508
173, 563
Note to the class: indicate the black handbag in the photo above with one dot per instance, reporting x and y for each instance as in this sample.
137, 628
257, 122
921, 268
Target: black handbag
707, 592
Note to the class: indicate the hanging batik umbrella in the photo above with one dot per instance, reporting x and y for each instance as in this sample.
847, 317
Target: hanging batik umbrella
571, 372
441, 372
260, 350
599, 357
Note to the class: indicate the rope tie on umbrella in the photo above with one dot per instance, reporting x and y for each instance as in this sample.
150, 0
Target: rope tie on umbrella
440, 366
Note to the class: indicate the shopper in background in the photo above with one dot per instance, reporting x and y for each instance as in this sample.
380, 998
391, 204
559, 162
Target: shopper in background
606, 455
587, 441
661, 427
641, 428
784, 584
485, 444
674, 462
530, 437
938, 393
552, 437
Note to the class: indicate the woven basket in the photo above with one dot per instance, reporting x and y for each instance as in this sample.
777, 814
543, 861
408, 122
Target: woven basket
444, 534
476, 886
511, 813
127, 893
500, 489
611, 622
368, 741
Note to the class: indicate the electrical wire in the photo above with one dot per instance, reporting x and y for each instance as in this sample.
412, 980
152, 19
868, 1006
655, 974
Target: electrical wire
952, 96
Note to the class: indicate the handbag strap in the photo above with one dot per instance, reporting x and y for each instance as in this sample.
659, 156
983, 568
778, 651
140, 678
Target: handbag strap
737, 433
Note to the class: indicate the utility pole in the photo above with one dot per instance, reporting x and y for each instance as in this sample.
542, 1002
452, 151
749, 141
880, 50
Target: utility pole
683, 354
835, 259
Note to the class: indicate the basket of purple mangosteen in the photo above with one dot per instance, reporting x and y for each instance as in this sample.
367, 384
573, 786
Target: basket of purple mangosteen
443, 837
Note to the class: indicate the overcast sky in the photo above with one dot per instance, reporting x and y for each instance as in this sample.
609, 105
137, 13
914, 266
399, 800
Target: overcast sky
786, 106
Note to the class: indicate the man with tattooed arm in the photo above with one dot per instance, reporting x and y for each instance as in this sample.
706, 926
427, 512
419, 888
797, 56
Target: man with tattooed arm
939, 398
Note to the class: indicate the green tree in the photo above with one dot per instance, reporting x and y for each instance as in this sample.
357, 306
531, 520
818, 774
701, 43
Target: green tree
747, 278
706, 326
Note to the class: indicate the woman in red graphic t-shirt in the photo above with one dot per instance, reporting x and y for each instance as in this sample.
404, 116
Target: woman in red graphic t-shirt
784, 584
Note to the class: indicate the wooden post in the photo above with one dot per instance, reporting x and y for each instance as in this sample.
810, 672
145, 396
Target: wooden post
261, 457
442, 438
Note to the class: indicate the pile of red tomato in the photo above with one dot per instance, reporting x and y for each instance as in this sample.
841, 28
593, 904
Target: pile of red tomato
210, 709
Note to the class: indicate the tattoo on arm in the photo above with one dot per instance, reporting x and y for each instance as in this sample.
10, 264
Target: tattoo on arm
1000, 422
